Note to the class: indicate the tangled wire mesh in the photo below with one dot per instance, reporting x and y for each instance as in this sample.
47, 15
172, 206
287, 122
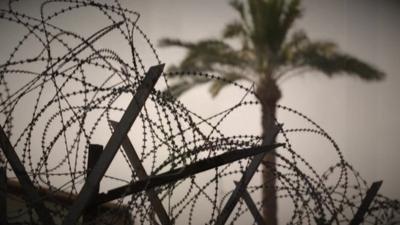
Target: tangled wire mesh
60, 87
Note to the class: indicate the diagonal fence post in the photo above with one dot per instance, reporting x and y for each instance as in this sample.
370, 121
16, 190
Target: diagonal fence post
141, 172
30, 192
183, 172
245, 180
366, 202
252, 206
113, 144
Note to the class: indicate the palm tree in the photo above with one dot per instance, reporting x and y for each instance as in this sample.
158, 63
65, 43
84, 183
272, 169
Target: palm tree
269, 51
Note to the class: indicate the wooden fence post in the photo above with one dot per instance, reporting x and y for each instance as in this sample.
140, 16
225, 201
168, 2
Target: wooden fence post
252, 206
31, 194
113, 144
245, 180
90, 213
366, 202
141, 173
3, 195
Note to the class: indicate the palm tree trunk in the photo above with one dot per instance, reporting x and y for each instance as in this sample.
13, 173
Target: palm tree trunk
268, 94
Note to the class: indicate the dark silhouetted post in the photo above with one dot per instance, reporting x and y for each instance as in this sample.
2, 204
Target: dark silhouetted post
183, 172
245, 180
90, 213
141, 172
113, 144
366, 202
30, 193
252, 207
3, 195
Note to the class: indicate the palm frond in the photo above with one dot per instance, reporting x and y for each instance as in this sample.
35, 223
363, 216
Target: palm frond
182, 84
325, 56
344, 64
271, 21
234, 29
291, 13
227, 79
240, 8
258, 29
205, 54
174, 42
266, 50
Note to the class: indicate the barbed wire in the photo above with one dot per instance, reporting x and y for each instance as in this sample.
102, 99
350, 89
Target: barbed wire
61, 99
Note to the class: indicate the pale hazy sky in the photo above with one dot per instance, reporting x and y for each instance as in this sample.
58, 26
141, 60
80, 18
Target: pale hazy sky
362, 117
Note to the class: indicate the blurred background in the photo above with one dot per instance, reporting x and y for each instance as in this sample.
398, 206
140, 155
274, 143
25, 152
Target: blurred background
362, 117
